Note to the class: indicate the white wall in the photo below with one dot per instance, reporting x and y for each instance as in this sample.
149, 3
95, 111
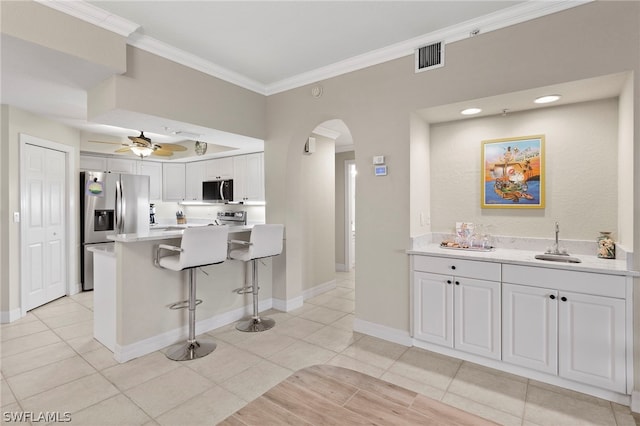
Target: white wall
420, 189
16, 121
581, 146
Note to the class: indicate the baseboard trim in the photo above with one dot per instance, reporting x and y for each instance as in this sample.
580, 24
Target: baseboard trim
635, 401
383, 332
135, 350
288, 305
10, 316
318, 290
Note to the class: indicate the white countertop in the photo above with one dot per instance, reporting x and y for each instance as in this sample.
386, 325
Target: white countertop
164, 233
108, 249
527, 258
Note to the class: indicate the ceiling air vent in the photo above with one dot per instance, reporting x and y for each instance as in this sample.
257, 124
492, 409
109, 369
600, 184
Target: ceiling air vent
430, 56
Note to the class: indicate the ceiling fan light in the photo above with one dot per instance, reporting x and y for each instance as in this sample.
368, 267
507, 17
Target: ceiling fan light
141, 151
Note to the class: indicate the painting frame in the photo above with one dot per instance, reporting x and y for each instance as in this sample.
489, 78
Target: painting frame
513, 173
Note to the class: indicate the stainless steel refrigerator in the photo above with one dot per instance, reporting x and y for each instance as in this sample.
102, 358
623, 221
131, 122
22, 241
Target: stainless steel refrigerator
110, 203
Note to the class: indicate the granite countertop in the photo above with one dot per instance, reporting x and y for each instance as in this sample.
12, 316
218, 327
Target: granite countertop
589, 263
162, 232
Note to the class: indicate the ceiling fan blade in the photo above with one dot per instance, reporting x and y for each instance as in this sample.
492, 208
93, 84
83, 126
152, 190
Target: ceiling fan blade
125, 149
162, 152
171, 147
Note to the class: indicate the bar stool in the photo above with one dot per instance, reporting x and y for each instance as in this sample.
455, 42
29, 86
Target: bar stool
265, 241
200, 246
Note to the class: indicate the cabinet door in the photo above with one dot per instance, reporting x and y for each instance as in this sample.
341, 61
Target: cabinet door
154, 171
219, 168
122, 165
255, 177
93, 164
173, 180
433, 308
477, 317
194, 179
530, 327
248, 177
592, 340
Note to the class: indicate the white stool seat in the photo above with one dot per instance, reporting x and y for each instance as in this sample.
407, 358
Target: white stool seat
199, 247
265, 241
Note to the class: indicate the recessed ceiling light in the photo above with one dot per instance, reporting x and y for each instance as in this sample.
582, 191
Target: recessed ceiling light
547, 99
470, 111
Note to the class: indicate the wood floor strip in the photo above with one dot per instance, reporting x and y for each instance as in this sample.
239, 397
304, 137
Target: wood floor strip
390, 391
327, 395
263, 412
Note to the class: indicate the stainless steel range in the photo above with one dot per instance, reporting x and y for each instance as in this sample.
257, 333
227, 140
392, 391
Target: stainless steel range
236, 218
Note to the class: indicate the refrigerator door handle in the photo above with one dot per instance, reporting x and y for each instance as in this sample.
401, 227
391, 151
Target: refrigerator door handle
119, 208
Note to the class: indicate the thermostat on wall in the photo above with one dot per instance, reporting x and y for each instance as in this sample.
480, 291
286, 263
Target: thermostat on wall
378, 159
380, 170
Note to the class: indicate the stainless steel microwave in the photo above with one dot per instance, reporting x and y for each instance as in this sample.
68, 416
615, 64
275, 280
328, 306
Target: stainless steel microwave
218, 190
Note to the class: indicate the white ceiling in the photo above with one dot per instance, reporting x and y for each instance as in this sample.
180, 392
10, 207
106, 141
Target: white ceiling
265, 46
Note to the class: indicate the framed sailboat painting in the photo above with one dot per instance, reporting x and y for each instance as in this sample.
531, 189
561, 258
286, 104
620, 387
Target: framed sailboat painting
513, 173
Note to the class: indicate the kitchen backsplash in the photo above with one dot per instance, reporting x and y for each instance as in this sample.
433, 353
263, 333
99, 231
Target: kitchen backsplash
166, 212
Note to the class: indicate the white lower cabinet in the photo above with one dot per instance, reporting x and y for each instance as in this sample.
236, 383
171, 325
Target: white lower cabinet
529, 327
591, 340
457, 311
576, 336
564, 323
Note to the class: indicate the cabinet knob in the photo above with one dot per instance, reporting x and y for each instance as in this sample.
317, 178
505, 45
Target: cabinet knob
552, 297
453, 267
457, 282
448, 281
564, 299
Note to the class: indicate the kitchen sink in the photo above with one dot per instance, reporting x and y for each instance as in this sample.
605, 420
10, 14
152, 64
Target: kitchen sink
558, 258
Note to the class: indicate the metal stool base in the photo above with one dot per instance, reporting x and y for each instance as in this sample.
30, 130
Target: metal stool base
255, 324
188, 351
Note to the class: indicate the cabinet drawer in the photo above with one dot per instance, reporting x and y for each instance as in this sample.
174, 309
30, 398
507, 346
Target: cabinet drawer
460, 268
558, 279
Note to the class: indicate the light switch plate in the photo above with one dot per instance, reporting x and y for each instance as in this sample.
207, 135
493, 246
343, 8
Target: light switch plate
378, 159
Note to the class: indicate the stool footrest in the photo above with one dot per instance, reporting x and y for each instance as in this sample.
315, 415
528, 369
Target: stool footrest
245, 290
183, 304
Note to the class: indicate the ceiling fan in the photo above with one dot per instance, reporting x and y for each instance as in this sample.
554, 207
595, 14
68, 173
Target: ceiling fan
143, 147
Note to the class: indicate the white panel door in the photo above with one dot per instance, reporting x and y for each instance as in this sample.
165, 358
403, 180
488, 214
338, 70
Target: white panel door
477, 317
433, 308
592, 340
530, 327
44, 250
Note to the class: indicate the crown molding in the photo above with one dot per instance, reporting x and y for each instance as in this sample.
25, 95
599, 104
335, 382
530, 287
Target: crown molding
494, 21
93, 15
187, 59
514, 15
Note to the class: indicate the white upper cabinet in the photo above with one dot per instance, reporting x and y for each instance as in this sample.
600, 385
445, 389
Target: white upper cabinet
154, 171
173, 181
122, 165
248, 179
219, 168
90, 163
194, 179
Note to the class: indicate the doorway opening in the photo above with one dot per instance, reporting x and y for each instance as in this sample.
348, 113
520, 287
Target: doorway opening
350, 214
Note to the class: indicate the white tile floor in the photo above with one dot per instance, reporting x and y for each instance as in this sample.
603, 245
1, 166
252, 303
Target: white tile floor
50, 363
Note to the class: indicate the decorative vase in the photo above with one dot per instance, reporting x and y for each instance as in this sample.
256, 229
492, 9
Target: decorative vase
606, 246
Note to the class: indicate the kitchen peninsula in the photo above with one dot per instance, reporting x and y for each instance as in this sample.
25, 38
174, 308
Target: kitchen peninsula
132, 295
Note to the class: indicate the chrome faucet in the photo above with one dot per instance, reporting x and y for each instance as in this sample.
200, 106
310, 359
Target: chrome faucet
556, 246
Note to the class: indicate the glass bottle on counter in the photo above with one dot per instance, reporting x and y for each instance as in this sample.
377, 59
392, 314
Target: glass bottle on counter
606, 246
